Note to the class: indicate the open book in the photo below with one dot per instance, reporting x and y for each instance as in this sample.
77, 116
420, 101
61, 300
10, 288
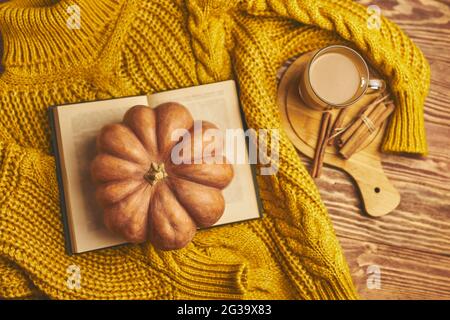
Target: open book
75, 128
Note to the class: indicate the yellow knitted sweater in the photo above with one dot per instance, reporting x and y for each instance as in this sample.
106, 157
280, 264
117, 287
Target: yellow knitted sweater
135, 47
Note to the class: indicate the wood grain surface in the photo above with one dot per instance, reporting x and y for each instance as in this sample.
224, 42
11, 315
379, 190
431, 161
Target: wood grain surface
411, 246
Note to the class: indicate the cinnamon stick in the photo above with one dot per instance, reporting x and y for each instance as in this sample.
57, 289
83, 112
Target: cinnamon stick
337, 125
376, 118
324, 146
325, 130
343, 138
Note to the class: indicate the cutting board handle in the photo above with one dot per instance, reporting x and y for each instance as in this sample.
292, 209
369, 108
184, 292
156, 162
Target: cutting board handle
379, 195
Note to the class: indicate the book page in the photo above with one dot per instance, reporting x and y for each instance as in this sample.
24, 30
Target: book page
79, 125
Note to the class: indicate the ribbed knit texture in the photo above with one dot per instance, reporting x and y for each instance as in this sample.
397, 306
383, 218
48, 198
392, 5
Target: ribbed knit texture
137, 47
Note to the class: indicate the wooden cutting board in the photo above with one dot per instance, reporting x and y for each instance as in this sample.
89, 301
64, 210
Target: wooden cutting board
302, 127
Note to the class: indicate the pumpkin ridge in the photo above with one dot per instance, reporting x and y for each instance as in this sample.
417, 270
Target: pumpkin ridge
173, 189
123, 158
168, 158
135, 189
114, 209
159, 189
143, 144
155, 128
164, 120
190, 181
215, 179
194, 156
163, 190
138, 189
99, 176
193, 178
115, 153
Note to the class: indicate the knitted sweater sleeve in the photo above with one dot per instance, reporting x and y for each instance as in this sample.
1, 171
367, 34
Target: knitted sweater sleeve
388, 49
26, 171
27, 178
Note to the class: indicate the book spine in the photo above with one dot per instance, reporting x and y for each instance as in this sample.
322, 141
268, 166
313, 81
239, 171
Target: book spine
62, 202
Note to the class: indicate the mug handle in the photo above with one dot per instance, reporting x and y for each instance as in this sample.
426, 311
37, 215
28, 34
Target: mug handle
376, 85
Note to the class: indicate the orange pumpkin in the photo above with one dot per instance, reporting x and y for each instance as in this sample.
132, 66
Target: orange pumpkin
144, 194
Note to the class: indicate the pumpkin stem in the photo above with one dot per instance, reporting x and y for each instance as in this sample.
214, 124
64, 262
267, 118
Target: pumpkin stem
155, 173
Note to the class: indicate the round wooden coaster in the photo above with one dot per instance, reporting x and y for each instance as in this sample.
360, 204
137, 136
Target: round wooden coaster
302, 126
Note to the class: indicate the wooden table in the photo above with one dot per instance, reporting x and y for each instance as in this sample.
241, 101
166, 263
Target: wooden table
410, 246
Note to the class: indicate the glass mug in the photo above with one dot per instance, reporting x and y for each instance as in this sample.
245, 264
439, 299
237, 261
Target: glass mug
335, 77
